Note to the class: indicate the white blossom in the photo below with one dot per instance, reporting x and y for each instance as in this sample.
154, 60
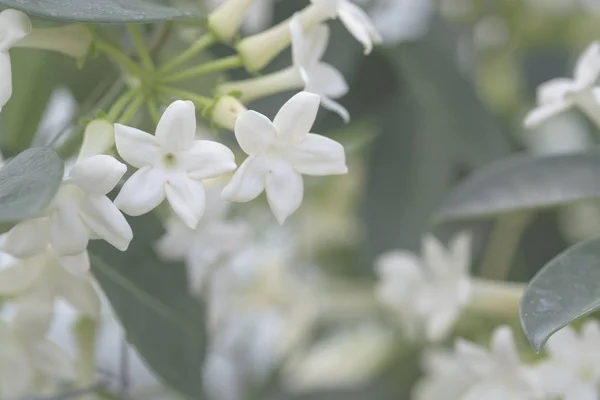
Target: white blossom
444, 377
279, 152
24, 360
427, 293
559, 94
171, 164
14, 25
354, 19
400, 20
319, 77
571, 371
79, 212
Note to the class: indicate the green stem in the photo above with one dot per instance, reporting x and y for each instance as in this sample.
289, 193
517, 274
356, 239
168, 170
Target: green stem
503, 244
120, 104
132, 110
197, 47
140, 46
119, 57
213, 66
200, 101
152, 106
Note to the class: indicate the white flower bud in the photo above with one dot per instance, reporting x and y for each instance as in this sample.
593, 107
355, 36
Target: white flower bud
98, 138
226, 20
73, 40
259, 50
226, 111
256, 88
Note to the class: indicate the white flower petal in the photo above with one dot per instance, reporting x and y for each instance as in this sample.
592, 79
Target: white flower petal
318, 155
136, 147
27, 238
16, 372
176, 242
98, 138
98, 174
359, 25
247, 182
254, 132
5, 78
78, 264
335, 107
177, 127
587, 68
460, 252
285, 190
72, 40
79, 292
19, 278
541, 114
554, 90
14, 25
441, 321
187, 197
582, 392
327, 81
207, 159
34, 312
504, 348
52, 360
316, 40
297, 116
104, 218
142, 192
68, 234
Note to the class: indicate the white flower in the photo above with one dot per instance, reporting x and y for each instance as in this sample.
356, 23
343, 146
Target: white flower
572, 371
34, 284
319, 77
79, 212
14, 26
279, 152
559, 94
498, 373
171, 164
98, 138
201, 249
444, 377
430, 292
23, 361
354, 19
400, 20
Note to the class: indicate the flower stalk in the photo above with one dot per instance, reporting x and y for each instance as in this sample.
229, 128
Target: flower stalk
213, 66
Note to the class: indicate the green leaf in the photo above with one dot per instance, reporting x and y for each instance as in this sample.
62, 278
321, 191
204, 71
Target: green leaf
99, 11
28, 183
151, 299
566, 288
524, 182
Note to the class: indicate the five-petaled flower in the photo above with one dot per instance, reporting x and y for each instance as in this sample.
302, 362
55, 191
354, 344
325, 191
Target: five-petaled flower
171, 164
559, 94
279, 152
319, 77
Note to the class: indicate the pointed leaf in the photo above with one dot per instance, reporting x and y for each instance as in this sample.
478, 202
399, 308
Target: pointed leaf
565, 289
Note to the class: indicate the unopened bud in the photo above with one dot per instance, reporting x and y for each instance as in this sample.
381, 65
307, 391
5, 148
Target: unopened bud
226, 20
256, 88
226, 111
98, 138
73, 40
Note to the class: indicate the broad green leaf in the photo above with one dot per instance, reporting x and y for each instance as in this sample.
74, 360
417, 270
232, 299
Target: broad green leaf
566, 288
524, 182
28, 183
98, 11
151, 299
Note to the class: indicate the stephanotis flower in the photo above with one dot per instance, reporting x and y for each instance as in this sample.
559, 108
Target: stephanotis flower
280, 152
319, 77
79, 212
171, 164
557, 95
427, 293
354, 19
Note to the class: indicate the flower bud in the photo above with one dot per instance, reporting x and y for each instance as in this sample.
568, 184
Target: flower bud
98, 138
73, 40
259, 50
256, 88
225, 21
226, 110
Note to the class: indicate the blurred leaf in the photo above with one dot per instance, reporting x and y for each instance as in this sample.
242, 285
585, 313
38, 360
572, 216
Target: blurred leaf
98, 11
524, 182
34, 79
151, 299
565, 289
28, 183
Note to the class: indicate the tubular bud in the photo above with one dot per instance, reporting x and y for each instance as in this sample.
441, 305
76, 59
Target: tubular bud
226, 110
256, 88
73, 40
226, 20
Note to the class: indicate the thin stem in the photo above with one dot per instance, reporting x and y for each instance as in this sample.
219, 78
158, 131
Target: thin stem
213, 66
200, 101
152, 106
204, 42
503, 245
120, 104
132, 110
119, 57
140, 46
